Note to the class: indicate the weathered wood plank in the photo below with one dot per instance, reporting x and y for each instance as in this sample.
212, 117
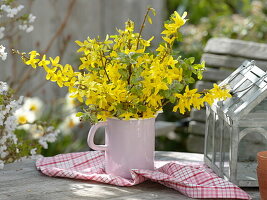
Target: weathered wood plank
201, 85
198, 115
215, 74
238, 48
117, 12
197, 128
195, 143
163, 127
226, 61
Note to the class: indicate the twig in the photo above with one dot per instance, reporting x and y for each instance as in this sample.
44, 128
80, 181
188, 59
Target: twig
142, 27
62, 26
130, 73
102, 54
26, 77
62, 50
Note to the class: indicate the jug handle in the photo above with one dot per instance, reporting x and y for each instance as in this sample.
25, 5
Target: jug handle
91, 135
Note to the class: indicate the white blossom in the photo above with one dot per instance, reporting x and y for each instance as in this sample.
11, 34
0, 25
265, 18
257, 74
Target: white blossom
22, 27
31, 18
14, 105
11, 12
13, 138
3, 154
24, 116
3, 54
10, 114
2, 117
10, 124
33, 104
50, 137
3, 87
29, 29
33, 151
3, 139
3, 148
20, 100
43, 143
26, 27
70, 103
35, 130
69, 122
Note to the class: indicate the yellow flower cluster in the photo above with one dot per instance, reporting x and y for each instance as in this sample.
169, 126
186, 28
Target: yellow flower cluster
191, 98
118, 77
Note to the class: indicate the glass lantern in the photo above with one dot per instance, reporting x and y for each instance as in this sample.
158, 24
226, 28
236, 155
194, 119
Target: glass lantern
236, 129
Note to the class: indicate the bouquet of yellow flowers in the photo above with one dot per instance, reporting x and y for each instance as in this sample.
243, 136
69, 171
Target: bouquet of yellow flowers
119, 78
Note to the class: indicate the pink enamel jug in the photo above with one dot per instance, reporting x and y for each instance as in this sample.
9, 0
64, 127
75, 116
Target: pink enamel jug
129, 144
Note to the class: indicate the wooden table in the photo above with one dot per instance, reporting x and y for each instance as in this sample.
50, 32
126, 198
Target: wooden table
21, 181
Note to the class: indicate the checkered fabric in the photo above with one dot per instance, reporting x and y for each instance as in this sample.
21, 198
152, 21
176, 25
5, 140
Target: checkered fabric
192, 180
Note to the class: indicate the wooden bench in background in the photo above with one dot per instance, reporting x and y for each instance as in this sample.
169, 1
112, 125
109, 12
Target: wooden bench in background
222, 56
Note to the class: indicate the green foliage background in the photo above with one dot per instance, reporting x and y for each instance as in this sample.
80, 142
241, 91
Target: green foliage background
237, 19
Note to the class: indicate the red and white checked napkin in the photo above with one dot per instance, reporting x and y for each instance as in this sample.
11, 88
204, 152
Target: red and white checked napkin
192, 180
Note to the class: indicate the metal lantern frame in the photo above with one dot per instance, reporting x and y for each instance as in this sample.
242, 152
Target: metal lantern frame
228, 122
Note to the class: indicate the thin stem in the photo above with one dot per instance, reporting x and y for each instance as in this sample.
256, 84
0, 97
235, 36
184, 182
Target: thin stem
165, 102
130, 73
104, 64
62, 26
141, 28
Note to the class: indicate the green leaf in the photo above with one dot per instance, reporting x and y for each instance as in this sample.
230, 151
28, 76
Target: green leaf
141, 107
123, 58
177, 86
79, 114
199, 75
134, 55
124, 74
136, 90
133, 110
191, 80
199, 66
133, 61
191, 60
172, 99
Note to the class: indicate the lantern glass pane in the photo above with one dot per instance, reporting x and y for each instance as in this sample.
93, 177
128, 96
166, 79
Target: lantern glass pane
217, 141
210, 132
236, 80
226, 149
252, 140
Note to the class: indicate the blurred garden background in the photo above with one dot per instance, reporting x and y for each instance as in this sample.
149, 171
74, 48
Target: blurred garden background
53, 27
